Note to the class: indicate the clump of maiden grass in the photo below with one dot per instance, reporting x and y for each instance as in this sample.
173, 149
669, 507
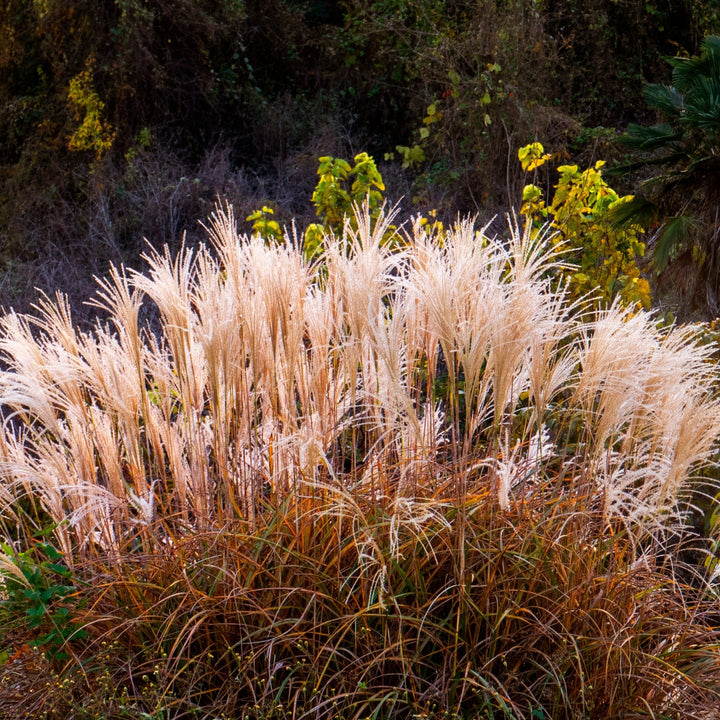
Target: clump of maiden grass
404, 479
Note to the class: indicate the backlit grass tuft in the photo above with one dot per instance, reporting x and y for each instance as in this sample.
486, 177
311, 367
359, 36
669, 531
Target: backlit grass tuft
391, 483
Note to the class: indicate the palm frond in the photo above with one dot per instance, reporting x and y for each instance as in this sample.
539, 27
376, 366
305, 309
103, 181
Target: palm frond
683, 149
703, 105
637, 211
686, 70
668, 159
711, 52
676, 232
706, 164
654, 137
665, 98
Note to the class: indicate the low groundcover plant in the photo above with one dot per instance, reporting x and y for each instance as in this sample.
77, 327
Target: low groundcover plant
400, 480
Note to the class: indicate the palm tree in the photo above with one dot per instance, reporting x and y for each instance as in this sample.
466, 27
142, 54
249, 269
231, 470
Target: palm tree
682, 198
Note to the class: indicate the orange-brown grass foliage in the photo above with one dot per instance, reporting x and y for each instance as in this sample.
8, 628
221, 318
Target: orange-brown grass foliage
389, 483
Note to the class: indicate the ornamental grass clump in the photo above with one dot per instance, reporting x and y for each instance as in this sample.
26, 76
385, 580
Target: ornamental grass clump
400, 480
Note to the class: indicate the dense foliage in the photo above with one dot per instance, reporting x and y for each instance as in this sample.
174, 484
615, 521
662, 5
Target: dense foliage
682, 195
121, 119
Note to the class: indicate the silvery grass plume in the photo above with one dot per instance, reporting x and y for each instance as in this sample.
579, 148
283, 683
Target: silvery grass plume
417, 375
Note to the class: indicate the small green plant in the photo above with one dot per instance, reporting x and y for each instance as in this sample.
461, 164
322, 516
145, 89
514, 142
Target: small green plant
341, 188
334, 200
603, 255
264, 226
413, 156
39, 589
532, 156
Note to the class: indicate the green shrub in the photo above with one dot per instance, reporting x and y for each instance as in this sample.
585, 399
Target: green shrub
40, 590
602, 256
335, 201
